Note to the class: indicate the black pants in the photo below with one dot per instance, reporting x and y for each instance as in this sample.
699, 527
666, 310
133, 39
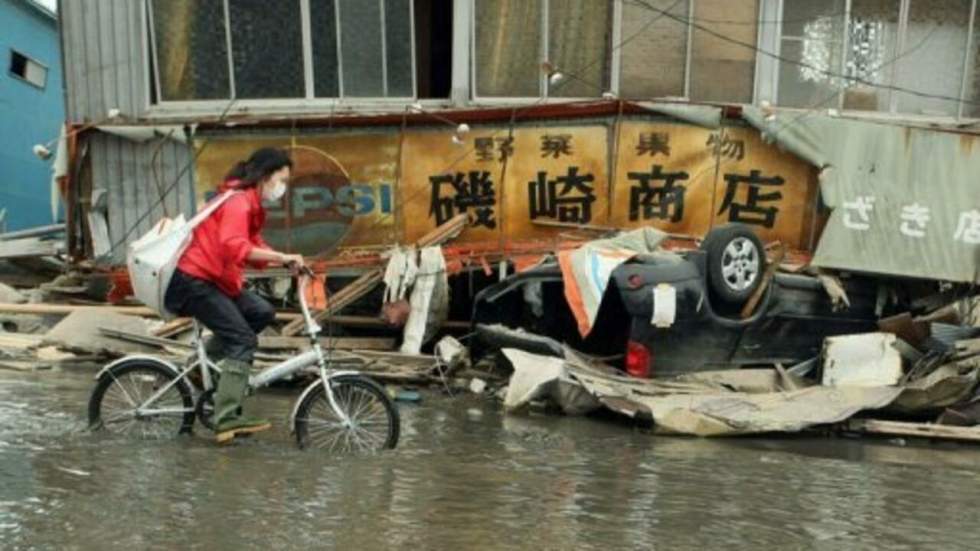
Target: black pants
235, 321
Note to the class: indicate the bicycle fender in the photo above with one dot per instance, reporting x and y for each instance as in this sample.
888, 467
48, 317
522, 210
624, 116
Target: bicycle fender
138, 357
307, 391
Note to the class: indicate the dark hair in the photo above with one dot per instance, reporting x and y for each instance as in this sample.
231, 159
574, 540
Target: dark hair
260, 164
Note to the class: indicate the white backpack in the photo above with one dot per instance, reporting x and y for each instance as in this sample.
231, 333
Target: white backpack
153, 257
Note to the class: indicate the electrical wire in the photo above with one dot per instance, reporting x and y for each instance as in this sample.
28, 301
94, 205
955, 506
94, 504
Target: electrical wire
177, 179
755, 48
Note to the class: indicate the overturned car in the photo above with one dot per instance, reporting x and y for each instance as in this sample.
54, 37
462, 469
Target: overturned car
703, 292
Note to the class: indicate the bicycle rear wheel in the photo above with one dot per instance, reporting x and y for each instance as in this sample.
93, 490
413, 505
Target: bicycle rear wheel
374, 421
122, 390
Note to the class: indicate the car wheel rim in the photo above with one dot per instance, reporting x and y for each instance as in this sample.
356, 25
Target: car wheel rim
740, 264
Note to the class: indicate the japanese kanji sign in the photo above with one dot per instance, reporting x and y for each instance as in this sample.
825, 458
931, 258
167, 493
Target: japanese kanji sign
350, 189
691, 178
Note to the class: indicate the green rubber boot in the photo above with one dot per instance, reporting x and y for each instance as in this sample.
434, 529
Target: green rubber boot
228, 401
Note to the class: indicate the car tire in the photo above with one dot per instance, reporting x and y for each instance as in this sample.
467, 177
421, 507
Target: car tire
736, 261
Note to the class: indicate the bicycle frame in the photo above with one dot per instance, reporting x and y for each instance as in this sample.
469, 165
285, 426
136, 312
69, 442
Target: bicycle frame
314, 356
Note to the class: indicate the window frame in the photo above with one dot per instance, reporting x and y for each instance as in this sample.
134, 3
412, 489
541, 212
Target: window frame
615, 61
29, 59
892, 112
309, 101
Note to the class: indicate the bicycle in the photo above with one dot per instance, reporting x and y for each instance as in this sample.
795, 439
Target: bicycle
342, 410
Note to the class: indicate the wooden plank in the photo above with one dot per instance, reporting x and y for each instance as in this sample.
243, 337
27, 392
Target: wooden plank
99, 230
41, 309
31, 246
169, 344
343, 298
922, 430
364, 284
347, 343
378, 323
968, 346
767, 276
173, 327
42, 231
19, 341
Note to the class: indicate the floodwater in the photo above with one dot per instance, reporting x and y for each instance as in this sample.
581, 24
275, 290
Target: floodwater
465, 476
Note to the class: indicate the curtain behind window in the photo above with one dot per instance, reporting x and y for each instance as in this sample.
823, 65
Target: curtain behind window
192, 53
508, 46
578, 45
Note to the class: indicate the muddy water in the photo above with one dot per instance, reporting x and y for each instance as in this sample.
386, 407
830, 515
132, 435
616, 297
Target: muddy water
466, 476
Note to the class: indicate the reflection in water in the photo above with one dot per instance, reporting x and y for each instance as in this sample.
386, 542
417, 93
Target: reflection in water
465, 476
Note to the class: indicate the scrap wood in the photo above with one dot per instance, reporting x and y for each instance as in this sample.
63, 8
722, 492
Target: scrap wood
968, 347
339, 300
168, 344
904, 327
922, 430
62, 309
30, 246
68, 309
352, 343
21, 365
770, 272
19, 341
835, 290
369, 280
173, 327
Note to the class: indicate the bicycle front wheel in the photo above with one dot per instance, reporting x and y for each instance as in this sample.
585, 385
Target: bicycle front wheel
373, 419
120, 401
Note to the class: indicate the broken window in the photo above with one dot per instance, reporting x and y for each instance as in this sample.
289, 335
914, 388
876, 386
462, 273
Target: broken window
812, 46
865, 56
872, 35
27, 69
433, 48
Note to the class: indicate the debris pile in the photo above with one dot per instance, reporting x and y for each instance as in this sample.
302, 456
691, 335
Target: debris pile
720, 336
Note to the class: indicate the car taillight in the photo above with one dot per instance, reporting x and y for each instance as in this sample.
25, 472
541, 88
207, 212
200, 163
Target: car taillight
637, 360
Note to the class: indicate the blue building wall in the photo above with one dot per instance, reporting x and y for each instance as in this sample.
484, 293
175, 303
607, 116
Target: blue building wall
28, 115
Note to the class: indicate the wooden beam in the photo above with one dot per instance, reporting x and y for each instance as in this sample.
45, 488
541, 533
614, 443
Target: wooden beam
30, 246
364, 284
62, 309
346, 343
767, 276
921, 430
173, 328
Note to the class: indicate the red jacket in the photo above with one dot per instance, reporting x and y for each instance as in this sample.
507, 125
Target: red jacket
223, 241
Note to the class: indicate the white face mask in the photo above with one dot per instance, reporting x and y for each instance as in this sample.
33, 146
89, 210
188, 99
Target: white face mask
276, 193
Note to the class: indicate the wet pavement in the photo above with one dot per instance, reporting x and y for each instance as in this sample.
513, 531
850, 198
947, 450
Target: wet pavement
465, 476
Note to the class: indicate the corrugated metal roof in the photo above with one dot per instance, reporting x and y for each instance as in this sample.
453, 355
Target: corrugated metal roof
105, 58
135, 175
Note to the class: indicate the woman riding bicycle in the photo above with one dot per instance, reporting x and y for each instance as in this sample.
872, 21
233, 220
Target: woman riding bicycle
207, 284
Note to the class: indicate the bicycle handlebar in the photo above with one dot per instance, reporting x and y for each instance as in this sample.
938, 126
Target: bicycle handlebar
303, 279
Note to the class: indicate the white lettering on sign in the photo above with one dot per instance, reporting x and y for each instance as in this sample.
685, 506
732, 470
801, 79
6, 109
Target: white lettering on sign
861, 208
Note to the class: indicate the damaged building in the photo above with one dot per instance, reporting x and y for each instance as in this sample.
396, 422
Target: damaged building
783, 170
